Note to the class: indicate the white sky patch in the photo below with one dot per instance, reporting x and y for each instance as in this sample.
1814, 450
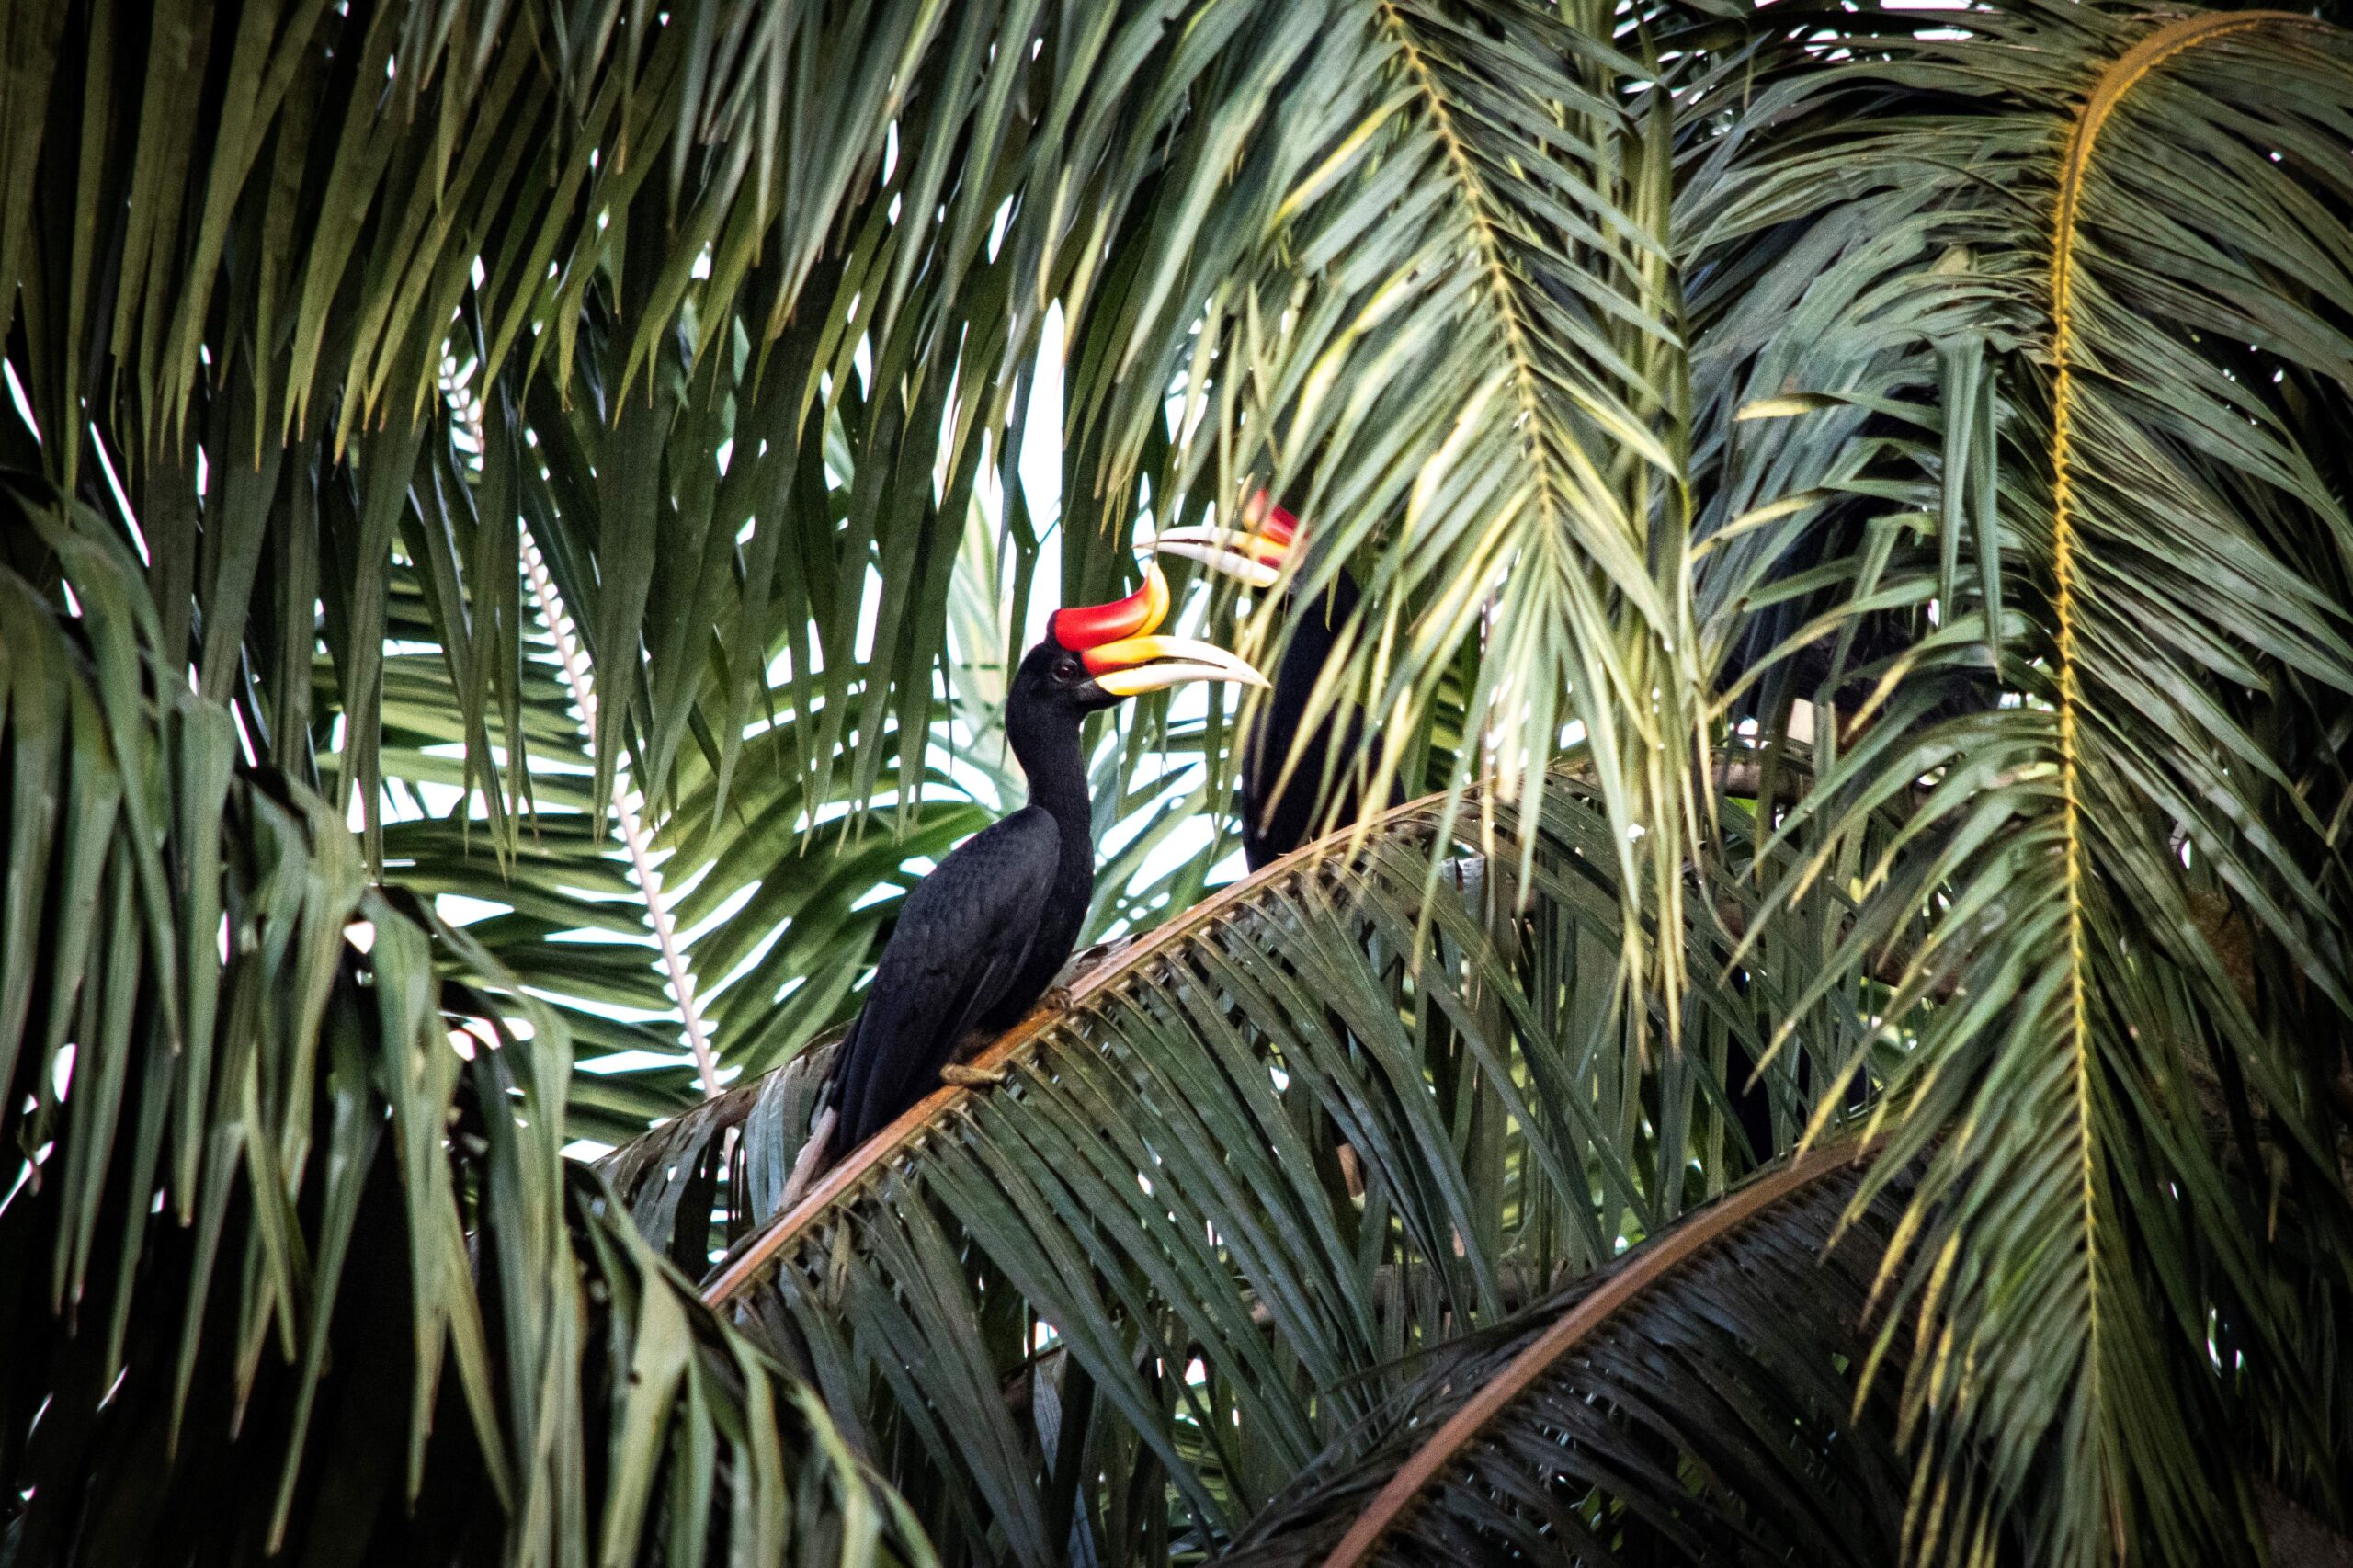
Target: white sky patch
458, 909
17, 395
121, 498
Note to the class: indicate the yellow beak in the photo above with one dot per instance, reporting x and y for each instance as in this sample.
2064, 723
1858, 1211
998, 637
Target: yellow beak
1137, 664
1255, 559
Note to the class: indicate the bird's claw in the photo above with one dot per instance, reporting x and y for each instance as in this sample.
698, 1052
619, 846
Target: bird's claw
966, 1077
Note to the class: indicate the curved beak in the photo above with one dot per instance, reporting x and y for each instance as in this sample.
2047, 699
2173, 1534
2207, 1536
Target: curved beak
1254, 558
1137, 664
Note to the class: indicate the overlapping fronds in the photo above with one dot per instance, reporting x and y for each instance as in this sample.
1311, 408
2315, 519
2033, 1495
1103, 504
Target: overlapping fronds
1254, 1157
1697, 1402
2029, 383
1466, 370
555, 900
312, 281
295, 1267
780, 923
294, 282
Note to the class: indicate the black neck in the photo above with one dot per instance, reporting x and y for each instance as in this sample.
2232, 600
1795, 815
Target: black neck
1045, 741
1314, 635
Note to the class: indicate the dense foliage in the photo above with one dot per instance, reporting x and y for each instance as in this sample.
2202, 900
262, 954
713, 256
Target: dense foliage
518, 516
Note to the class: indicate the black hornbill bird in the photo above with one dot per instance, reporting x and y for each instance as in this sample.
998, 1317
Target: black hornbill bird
980, 940
1279, 813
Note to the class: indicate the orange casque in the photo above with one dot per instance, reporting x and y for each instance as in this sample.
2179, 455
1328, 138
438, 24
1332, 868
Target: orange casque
1116, 643
1255, 553
1270, 525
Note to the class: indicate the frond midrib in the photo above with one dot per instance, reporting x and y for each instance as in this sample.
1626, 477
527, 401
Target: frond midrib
1476, 206
2117, 79
1590, 1315
865, 1165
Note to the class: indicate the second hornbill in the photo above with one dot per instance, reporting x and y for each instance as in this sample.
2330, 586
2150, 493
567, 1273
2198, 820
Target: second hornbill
980, 940
1281, 777
1279, 814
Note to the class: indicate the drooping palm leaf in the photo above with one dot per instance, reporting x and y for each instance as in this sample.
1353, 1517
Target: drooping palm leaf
544, 881
2077, 284
672, 262
295, 1263
1465, 367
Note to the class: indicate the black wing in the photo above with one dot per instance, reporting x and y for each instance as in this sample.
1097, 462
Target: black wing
962, 939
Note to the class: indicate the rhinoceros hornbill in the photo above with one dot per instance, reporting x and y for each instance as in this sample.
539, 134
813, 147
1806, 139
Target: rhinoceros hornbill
982, 937
1282, 777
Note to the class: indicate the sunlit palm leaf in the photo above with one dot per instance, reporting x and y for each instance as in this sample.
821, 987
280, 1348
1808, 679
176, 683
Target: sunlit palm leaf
1464, 367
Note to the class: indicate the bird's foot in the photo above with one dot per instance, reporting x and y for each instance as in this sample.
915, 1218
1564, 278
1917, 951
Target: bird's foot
968, 1078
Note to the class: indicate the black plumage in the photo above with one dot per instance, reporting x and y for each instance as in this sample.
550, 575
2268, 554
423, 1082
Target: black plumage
1279, 815
1284, 777
981, 938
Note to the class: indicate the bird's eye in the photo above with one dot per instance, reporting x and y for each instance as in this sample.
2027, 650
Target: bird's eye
1067, 669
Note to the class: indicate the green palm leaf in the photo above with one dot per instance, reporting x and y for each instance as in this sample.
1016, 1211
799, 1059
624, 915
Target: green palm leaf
1699, 1402
2113, 430
1258, 1155
1463, 363
296, 1264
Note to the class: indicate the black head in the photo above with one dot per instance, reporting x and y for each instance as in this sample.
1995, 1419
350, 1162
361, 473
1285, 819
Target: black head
1052, 678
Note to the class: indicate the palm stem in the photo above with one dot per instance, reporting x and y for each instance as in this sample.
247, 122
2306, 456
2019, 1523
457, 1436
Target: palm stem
626, 803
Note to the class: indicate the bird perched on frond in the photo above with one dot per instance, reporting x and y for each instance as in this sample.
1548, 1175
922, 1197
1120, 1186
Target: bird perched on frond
980, 940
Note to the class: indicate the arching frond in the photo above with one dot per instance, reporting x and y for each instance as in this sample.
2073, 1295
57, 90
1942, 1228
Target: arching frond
1465, 367
2076, 284
298, 285
1699, 1402
1253, 1157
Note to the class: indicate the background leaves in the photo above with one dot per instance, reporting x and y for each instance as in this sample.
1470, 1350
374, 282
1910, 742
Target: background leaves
297, 1263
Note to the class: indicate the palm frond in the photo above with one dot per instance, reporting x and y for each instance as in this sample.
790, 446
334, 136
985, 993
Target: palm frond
296, 1263
637, 286
1463, 363
2075, 284
1700, 1401
538, 878
1249, 1159
738, 311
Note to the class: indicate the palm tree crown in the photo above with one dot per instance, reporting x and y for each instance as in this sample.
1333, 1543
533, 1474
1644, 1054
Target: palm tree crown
1818, 1031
